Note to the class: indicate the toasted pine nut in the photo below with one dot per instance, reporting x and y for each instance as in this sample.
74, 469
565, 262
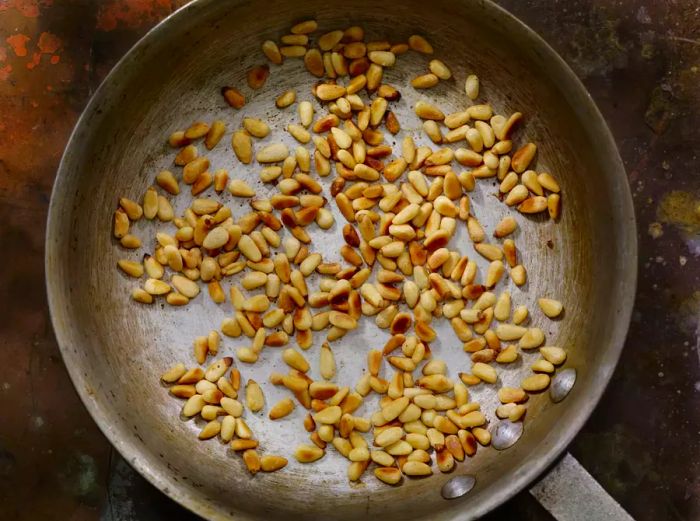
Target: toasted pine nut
389, 475
273, 153
505, 227
425, 81
305, 27
256, 127
523, 157
382, 58
425, 110
416, 468
281, 409
420, 44
254, 396
257, 76
536, 383
554, 206
286, 98
518, 274
439, 69
329, 92
272, 52
534, 204
554, 355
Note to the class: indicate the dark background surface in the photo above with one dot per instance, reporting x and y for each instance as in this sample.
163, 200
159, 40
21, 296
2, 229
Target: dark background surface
641, 62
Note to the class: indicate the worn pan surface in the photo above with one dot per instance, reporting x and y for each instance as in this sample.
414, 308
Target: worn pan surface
115, 349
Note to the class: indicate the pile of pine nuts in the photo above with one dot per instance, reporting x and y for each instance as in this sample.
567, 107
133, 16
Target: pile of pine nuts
401, 210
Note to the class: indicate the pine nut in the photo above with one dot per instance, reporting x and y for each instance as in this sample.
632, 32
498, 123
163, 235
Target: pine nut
272, 52
233, 97
273, 153
281, 409
533, 337
272, 463
554, 355
252, 461
554, 206
542, 366
382, 58
518, 274
193, 406
534, 204
505, 227
483, 112
257, 76
550, 307
416, 468
471, 87
432, 130
254, 396
248, 248
425, 110
489, 251
295, 360
328, 416
210, 430
242, 146
523, 157
156, 287
484, 372
389, 475
256, 127
535, 383
548, 182
440, 70
425, 81
420, 44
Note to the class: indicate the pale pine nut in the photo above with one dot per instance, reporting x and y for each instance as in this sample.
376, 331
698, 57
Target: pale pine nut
471, 87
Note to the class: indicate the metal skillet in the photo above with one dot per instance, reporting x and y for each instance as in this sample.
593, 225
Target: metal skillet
115, 349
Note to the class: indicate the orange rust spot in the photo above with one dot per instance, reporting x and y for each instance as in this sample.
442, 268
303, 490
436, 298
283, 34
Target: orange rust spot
18, 42
36, 59
131, 13
55, 59
48, 43
28, 8
5, 71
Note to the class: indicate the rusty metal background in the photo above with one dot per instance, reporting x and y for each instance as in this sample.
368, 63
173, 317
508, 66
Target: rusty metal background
627, 53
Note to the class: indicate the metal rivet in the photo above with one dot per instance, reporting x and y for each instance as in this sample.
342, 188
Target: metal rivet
506, 434
458, 486
562, 383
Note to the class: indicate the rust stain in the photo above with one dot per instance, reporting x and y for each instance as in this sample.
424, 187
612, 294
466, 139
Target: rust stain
48, 43
5, 72
131, 13
36, 59
681, 209
18, 42
28, 8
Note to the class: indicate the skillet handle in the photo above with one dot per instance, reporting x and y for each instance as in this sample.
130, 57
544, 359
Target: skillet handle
570, 493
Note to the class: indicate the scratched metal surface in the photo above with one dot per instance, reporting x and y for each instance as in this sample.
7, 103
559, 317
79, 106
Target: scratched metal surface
115, 349
636, 58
